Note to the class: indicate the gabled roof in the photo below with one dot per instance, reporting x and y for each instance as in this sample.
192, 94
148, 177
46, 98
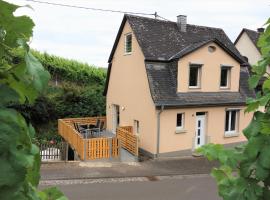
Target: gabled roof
162, 78
253, 35
162, 40
163, 44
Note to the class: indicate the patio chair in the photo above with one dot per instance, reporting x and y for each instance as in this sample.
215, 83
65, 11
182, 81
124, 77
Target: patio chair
96, 132
84, 132
89, 126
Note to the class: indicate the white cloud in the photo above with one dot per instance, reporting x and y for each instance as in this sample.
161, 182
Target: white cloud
88, 35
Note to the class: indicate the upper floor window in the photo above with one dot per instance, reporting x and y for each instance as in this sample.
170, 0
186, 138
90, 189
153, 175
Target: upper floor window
195, 76
180, 121
225, 77
231, 122
128, 43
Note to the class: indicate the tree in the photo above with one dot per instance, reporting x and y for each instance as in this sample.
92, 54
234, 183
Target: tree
244, 172
21, 81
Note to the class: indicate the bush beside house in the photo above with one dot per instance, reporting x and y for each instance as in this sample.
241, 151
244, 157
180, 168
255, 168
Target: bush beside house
75, 90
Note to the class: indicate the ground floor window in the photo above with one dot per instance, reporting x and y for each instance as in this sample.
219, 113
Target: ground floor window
136, 126
179, 121
231, 122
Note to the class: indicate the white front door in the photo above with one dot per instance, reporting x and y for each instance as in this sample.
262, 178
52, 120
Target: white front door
200, 131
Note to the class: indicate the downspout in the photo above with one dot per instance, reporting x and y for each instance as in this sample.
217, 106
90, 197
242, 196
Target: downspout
158, 129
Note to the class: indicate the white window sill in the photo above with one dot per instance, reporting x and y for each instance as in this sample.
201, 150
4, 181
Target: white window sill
231, 134
194, 87
127, 54
224, 88
179, 131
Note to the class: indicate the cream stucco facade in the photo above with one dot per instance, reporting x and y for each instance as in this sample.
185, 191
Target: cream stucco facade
211, 63
214, 128
129, 89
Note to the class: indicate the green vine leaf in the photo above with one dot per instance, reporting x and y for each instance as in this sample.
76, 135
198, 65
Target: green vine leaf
22, 79
250, 164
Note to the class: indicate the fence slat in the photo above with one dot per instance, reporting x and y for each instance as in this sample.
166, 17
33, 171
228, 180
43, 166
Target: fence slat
128, 140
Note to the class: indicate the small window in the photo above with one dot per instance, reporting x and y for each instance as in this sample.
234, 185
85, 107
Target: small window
128, 43
211, 49
225, 77
136, 126
231, 122
194, 76
180, 121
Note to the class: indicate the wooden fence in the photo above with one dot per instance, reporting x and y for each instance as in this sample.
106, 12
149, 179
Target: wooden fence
88, 149
129, 141
100, 148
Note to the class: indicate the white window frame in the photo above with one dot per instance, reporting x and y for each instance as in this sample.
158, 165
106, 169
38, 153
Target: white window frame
198, 86
228, 77
126, 35
235, 132
183, 118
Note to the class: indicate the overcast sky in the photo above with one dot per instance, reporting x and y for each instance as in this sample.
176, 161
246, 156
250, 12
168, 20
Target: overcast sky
88, 36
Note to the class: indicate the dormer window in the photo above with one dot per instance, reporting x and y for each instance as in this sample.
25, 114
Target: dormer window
194, 76
225, 77
128, 43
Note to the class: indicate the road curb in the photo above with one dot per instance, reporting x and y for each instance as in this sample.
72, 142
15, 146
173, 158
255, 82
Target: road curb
118, 179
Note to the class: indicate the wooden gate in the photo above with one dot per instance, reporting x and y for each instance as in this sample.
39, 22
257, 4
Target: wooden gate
100, 148
129, 141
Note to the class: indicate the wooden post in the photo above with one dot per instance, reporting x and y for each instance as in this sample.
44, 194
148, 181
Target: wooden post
110, 147
67, 147
84, 150
119, 149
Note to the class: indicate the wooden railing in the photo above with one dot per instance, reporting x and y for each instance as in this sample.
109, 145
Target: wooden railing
88, 149
85, 120
128, 140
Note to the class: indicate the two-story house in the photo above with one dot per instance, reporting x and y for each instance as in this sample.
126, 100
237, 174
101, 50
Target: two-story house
179, 85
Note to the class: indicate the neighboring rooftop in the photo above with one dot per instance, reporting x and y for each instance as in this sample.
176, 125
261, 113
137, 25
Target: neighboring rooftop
253, 35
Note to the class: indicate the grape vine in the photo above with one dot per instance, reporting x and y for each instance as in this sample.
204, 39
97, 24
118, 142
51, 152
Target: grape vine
22, 79
244, 172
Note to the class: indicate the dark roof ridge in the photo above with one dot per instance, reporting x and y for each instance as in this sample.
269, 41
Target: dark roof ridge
201, 26
247, 29
203, 42
169, 21
139, 16
242, 31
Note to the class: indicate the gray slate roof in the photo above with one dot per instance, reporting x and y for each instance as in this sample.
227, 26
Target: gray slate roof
163, 44
162, 79
162, 40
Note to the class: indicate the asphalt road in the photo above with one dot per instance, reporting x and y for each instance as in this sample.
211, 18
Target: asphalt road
194, 187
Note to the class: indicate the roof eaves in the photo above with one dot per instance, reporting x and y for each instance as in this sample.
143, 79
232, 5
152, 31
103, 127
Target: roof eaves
117, 38
178, 55
107, 79
172, 106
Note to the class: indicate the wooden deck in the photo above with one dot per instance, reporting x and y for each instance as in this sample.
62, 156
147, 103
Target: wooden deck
104, 147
